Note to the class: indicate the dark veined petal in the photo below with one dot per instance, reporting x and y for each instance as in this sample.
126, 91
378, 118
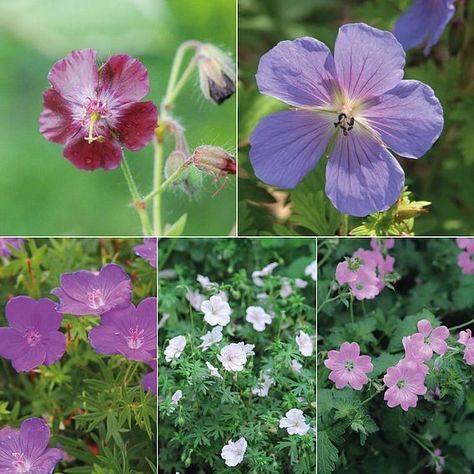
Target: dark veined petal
106, 153
34, 437
56, 120
409, 118
423, 22
368, 61
123, 78
75, 76
287, 145
362, 176
136, 124
299, 72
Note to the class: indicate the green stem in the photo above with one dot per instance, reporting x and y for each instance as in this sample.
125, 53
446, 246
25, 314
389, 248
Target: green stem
157, 172
351, 308
163, 186
370, 398
416, 439
168, 100
462, 325
344, 228
132, 187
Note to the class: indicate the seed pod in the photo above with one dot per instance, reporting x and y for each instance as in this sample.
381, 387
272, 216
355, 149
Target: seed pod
214, 160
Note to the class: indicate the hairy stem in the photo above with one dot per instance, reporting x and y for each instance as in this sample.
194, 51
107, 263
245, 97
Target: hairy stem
168, 182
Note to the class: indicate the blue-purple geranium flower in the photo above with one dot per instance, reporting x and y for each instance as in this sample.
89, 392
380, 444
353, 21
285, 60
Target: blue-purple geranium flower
97, 111
358, 102
147, 251
423, 23
149, 381
26, 450
86, 292
128, 331
7, 243
33, 338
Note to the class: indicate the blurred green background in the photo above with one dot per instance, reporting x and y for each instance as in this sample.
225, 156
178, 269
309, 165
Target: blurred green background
444, 176
41, 193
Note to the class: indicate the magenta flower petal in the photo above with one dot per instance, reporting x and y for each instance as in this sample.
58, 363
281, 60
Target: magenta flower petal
299, 72
424, 327
105, 154
396, 118
136, 124
11, 343
124, 78
147, 251
287, 145
23, 312
362, 177
34, 435
56, 343
30, 358
85, 292
75, 76
424, 22
150, 380
368, 61
56, 121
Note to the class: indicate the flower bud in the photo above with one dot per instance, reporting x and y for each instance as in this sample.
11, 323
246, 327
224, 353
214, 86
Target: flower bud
213, 160
216, 73
174, 162
190, 181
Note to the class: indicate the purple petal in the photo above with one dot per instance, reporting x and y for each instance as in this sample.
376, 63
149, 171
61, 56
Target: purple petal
149, 382
48, 318
287, 145
9, 443
56, 120
105, 154
299, 72
409, 118
368, 61
124, 78
104, 339
362, 177
423, 22
22, 313
30, 359
116, 286
48, 460
34, 437
136, 124
55, 345
12, 343
75, 76
147, 251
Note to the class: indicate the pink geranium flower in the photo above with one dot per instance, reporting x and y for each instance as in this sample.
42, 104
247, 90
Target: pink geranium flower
434, 339
96, 111
405, 382
466, 339
348, 367
366, 285
466, 262
467, 244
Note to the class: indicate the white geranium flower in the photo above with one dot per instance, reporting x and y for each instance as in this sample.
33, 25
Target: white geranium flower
286, 289
294, 422
301, 283
176, 397
214, 371
216, 311
206, 284
262, 296
233, 453
305, 343
296, 366
262, 390
195, 299
311, 270
265, 271
175, 348
258, 317
211, 337
247, 348
233, 357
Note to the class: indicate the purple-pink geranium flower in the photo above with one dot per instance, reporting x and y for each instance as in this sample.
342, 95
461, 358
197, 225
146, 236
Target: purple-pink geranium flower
26, 450
147, 251
466, 339
86, 292
356, 97
149, 381
129, 331
33, 338
423, 23
348, 367
466, 258
434, 339
95, 111
5, 244
405, 382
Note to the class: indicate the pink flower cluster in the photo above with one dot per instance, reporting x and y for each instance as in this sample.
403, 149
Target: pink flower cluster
466, 258
365, 271
406, 380
466, 339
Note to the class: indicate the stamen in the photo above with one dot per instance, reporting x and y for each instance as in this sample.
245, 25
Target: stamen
346, 123
95, 117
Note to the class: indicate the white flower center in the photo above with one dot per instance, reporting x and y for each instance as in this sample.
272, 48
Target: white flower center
20, 463
33, 337
136, 338
95, 298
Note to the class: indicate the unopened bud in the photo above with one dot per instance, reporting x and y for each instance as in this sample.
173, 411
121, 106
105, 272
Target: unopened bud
213, 160
216, 73
190, 181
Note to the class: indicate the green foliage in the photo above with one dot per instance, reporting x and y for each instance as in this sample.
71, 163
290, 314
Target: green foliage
98, 411
358, 432
213, 411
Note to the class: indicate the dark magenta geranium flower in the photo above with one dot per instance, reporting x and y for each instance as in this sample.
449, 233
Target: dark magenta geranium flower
33, 338
96, 111
5, 250
149, 381
86, 292
129, 331
147, 251
358, 102
26, 450
423, 23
